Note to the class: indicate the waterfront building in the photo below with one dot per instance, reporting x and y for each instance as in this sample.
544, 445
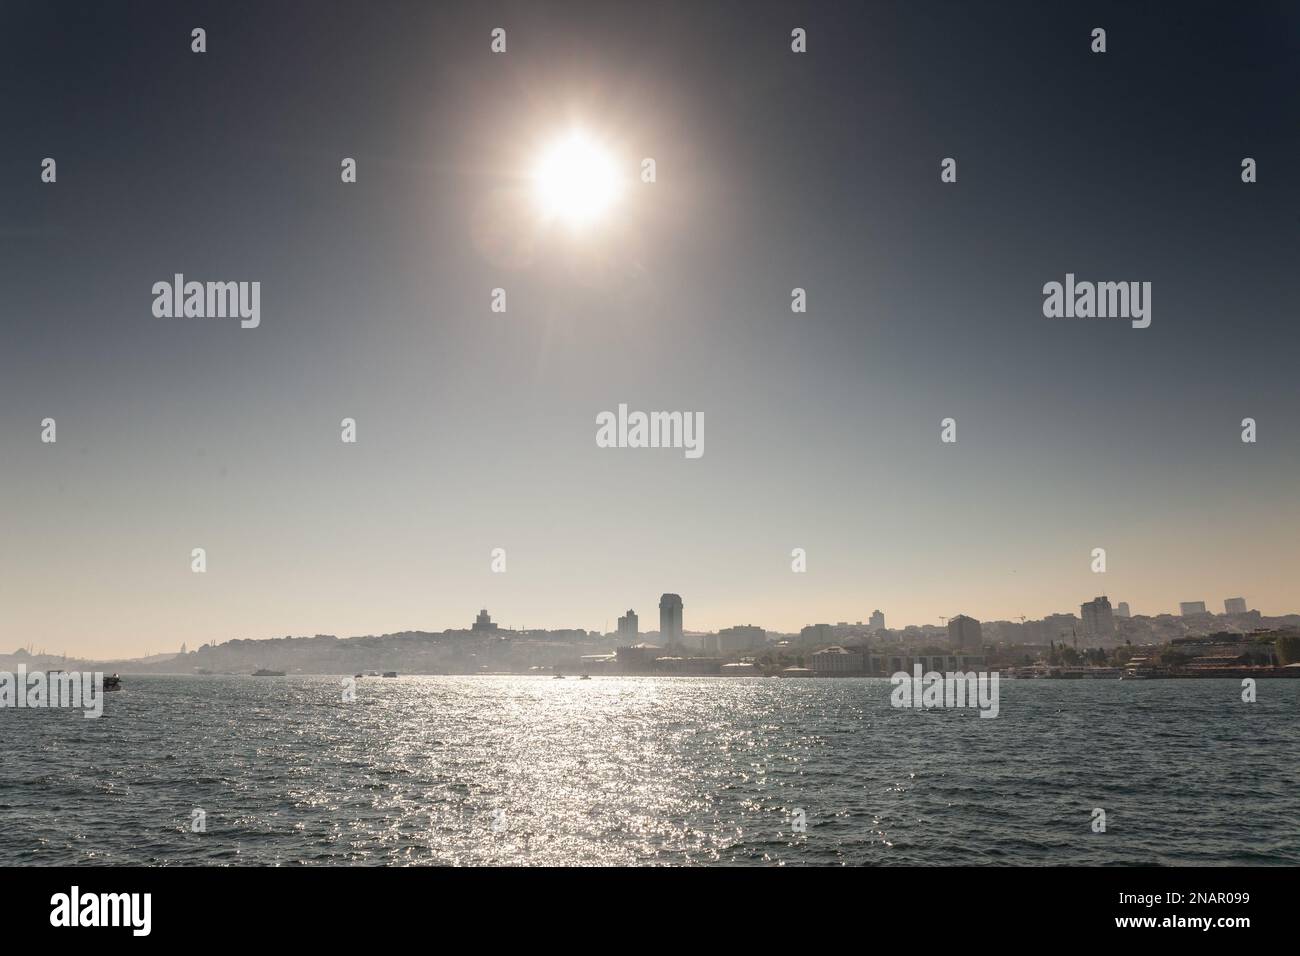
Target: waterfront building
835, 661
638, 658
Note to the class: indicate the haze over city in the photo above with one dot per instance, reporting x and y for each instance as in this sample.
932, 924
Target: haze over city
477, 429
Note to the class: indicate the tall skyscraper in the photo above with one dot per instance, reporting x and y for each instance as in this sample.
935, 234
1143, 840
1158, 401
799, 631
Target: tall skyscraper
1121, 610
1234, 606
1098, 619
628, 628
670, 619
877, 620
964, 634
1188, 608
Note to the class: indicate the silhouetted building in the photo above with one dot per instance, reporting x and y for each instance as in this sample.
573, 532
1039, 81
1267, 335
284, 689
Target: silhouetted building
670, 619
1098, 619
1234, 606
733, 640
964, 634
1121, 610
817, 634
628, 627
1190, 608
637, 659
484, 623
877, 620
1058, 626
698, 666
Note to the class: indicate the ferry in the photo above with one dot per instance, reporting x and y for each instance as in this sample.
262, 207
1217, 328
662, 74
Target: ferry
390, 673
112, 683
263, 672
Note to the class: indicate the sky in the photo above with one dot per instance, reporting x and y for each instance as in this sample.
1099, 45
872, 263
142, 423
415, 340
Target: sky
476, 429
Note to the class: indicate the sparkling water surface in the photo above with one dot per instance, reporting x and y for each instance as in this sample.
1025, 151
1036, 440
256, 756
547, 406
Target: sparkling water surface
612, 770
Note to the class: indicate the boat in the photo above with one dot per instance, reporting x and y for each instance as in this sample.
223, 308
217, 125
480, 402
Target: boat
558, 677
585, 677
390, 673
358, 676
263, 672
112, 683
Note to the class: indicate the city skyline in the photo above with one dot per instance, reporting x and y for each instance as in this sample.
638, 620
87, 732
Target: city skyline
671, 610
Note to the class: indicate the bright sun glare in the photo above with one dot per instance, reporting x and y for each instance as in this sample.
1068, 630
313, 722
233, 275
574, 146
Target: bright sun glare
576, 180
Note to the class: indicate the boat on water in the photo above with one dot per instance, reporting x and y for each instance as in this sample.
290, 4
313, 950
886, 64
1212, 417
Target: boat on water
390, 673
112, 683
358, 676
263, 672
585, 677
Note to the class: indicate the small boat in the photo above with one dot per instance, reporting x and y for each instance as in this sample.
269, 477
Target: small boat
585, 677
372, 673
390, 673
263, 672
112, 683
358, 676
558, 677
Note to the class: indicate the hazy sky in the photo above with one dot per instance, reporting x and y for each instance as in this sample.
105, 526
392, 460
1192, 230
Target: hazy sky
476, 430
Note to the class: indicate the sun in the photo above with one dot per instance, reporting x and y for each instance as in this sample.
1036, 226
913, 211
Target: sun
576, 181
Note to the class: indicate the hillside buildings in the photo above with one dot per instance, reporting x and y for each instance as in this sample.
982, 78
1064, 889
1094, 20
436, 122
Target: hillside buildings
628, 627
735, 640
964, 635
1098, 619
